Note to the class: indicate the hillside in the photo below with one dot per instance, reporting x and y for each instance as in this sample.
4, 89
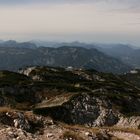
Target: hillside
56, 103
133, 77
41, 82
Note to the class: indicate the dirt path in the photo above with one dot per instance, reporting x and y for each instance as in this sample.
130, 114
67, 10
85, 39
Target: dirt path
125, 135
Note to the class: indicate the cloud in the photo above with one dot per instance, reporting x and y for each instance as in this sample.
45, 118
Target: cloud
19, 2
12, 2
120, 6
72, 19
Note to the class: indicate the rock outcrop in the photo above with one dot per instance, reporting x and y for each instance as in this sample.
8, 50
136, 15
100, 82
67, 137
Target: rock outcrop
44, 128
88, 110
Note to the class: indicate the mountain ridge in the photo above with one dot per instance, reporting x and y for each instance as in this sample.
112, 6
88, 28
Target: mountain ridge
24, 54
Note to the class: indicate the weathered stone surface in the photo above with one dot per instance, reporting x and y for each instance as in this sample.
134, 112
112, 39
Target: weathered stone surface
83, 109
130, 122
88, 110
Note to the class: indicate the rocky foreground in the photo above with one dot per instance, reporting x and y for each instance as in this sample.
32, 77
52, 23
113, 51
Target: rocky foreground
27, 126
45, 103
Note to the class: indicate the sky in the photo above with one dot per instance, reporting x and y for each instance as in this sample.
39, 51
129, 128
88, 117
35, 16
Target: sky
103, 21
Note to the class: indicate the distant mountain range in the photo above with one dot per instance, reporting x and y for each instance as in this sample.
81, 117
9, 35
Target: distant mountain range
13, 43
126, 53
15, 55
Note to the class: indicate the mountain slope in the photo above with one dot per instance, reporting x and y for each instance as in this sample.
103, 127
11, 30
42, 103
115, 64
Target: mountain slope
133, 77
56, 103
103, 99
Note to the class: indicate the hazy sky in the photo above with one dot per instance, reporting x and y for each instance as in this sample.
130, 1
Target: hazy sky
116, 21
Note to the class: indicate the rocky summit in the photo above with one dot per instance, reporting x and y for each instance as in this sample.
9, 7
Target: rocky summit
53, 103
